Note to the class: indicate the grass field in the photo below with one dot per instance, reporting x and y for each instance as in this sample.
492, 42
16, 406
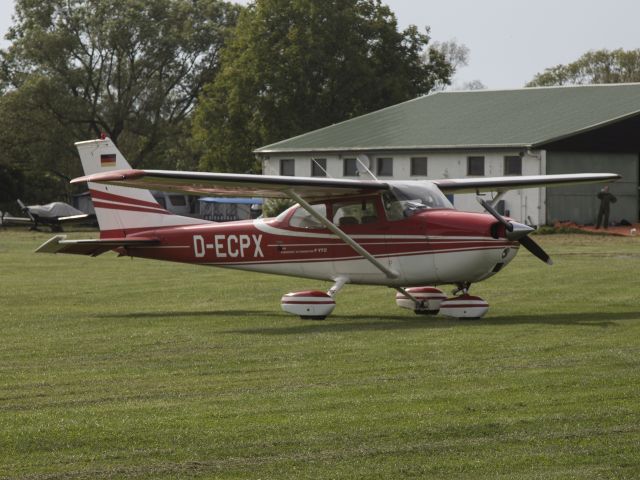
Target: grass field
119, 368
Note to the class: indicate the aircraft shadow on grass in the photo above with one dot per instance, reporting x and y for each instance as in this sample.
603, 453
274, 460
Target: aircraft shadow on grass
399, 322
348, 323
190, 313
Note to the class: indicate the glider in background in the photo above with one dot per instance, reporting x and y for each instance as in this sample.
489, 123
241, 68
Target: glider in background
53, 215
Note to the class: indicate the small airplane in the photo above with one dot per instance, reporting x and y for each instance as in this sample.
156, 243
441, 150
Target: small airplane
54, 215
402, 234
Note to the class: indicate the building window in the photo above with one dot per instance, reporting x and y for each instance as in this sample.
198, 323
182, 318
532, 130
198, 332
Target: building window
318, 167
349, 167
287, 167
384, 167
419, 166
513, 165
475, 166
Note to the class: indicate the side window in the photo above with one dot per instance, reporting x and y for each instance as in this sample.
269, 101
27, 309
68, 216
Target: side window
354, 212
303, 219
475, 166
513, 165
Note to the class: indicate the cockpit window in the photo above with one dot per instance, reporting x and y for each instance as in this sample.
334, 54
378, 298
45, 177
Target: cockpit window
404, 199
303, 219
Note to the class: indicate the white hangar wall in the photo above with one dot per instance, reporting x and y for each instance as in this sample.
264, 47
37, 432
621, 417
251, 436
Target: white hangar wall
526, 206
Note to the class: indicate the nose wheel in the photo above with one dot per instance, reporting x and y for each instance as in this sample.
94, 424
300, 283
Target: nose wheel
431, 301
462, 305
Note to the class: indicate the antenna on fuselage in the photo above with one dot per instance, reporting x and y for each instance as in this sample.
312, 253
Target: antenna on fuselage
363, 162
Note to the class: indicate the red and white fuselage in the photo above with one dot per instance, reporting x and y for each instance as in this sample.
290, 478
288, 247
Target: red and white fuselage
431, 247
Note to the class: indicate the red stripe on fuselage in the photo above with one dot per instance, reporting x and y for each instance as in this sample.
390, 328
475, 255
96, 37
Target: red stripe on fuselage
122, 199
129, 208
223, 252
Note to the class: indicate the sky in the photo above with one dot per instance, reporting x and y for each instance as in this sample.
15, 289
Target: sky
509, 40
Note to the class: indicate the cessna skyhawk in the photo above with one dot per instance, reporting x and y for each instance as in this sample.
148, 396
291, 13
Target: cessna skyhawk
402, 234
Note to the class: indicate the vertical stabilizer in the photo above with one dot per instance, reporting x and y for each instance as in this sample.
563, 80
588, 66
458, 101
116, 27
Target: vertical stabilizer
122, 210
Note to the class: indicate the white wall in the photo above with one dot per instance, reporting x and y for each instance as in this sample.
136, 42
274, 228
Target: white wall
525, 206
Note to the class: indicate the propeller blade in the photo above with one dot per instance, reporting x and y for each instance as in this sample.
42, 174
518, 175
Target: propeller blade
535, 249
518, 231
496, 215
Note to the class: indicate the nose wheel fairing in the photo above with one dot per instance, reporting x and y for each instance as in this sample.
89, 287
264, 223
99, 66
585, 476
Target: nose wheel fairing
432, 301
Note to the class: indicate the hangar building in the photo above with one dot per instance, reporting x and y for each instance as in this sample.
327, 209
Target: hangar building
527, 131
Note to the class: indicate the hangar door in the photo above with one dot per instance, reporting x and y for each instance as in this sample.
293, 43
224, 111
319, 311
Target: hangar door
579, 203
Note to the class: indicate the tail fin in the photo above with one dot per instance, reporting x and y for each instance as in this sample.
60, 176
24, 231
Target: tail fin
122, 210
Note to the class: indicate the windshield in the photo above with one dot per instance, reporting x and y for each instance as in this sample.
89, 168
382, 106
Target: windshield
406, 199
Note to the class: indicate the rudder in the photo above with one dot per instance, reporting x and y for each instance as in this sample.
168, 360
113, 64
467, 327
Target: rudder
122, 210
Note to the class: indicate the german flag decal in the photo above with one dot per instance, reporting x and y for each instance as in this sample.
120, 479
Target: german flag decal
108, 160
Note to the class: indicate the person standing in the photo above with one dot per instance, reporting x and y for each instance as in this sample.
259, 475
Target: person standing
606, 199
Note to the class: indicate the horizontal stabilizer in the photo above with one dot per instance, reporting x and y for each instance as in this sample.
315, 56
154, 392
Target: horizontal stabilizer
93, 247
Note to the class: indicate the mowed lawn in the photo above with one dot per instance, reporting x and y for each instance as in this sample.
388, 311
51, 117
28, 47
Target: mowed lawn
120, 368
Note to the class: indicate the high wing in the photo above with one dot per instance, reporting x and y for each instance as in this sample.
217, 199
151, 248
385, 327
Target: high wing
503, 184
232, 184
311, 188
93, 248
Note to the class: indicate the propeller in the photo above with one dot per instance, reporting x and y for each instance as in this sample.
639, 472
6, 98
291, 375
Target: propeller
26, 210
518, 232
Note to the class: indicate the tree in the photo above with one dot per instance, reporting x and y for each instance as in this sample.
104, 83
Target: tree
473, 85
455, 54
130, 68
601, 66
297, 65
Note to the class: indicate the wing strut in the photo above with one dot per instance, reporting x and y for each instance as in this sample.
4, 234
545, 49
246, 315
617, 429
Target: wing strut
346, 238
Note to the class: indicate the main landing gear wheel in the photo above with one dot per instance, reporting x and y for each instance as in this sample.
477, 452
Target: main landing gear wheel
313, 304
309, 304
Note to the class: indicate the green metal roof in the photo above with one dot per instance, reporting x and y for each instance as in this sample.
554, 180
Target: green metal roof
527, 117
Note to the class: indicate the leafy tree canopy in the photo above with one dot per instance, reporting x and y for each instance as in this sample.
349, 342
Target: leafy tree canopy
601, 66
130, 68
297, 65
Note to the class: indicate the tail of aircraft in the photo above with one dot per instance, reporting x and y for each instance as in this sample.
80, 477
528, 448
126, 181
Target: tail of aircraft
122, 211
